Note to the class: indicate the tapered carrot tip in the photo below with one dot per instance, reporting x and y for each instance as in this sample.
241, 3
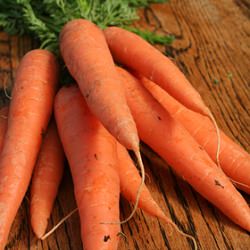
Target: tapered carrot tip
39, 225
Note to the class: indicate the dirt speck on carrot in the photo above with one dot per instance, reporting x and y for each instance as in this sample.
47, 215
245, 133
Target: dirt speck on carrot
106, 238
217, 183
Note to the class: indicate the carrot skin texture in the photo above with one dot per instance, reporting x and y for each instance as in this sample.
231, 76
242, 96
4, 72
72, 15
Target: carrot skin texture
150, 62
87, 56
3, 124
130, 181
183, 153
234, 160
92, 156
30, 111
46, 180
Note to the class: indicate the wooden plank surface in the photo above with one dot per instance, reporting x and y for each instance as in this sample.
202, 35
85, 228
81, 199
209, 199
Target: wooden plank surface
212, 49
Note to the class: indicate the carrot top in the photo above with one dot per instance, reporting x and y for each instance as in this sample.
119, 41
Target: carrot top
44, 19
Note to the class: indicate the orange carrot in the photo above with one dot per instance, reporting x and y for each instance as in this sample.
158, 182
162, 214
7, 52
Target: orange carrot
174, 144
134, 52
92, 156
234, 161
3, 124
130, 181
30, 111
89, 61
46, 179
87, 56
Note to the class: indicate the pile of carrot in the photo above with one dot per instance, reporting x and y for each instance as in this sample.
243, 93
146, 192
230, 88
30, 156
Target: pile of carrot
95, 121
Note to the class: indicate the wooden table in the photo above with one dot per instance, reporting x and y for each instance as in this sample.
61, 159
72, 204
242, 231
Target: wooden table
212, 49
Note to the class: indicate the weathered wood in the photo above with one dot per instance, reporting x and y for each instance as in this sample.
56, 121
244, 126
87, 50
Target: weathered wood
212, 49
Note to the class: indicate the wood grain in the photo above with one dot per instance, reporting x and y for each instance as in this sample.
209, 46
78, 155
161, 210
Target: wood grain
212, 49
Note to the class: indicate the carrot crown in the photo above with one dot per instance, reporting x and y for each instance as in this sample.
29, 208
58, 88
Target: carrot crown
44, 19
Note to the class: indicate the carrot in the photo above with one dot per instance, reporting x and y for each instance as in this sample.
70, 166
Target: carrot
91, 152
134, 52
46, 179
30, 110
3, 124
174, 144
89, 61
130, 181
87, 56
234, 161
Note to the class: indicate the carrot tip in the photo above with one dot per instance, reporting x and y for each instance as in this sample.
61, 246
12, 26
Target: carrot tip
39, 228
